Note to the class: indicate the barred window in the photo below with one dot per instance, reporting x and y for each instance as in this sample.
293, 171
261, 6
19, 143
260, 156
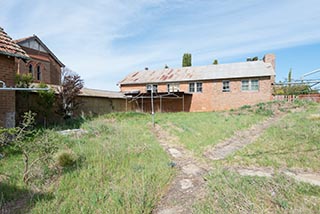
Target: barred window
226, 86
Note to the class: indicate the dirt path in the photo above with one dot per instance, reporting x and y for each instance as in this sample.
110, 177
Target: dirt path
298, 175
188, 185
240, 139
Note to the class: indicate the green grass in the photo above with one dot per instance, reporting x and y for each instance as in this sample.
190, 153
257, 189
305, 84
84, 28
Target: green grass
294, 142
197, 131
230, 193
122, 170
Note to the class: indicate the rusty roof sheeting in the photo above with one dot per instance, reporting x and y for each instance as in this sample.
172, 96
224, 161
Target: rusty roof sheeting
209, 72
88, 92
9, 47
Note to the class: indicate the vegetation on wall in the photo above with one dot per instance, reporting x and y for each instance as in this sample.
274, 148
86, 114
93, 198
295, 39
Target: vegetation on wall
46, 102
23, 80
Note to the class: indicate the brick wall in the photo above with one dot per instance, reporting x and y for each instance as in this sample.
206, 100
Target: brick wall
212, 98
29, 101
7, 98
50, 69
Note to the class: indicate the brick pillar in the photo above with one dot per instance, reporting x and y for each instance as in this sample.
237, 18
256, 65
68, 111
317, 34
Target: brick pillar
7, 98
270, 58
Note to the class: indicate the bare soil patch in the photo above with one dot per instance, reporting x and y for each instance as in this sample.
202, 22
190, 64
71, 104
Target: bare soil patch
240, 139
189, 184
299, 175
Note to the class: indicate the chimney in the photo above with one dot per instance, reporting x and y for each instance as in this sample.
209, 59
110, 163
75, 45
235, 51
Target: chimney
270, 58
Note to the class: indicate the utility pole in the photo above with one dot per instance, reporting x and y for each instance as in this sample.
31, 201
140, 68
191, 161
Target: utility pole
152, 107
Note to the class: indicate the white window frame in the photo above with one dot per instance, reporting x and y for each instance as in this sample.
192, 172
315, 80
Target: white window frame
195, 87
173, 87
154, 86
228, 89
250, 85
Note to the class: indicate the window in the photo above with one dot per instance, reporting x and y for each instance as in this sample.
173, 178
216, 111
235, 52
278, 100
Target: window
254, 85
173, 87
245, 85
38, 73
191, 87
225, 86
250, 85
150, 87
199, 86
30, 69
195, 87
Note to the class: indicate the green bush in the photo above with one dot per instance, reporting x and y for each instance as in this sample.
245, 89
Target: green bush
66, 158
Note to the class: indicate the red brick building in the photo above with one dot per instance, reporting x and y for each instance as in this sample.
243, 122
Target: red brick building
44, 66
202, 88
9, 52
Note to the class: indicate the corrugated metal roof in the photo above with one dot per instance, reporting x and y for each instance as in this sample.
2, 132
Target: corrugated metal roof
87, 92
209, 72
100, 93
9, 47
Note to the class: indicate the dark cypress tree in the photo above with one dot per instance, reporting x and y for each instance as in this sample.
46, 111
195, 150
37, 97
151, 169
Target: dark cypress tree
186, 60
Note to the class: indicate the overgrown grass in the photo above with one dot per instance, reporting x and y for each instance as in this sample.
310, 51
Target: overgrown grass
197, 131
122, 169
294, 142
229, 192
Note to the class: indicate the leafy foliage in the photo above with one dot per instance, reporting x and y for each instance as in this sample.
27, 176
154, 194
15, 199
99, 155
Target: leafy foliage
292, 90
186, 60
66, 158
23, 80
46, 101
255, 58
70, 89
215, 62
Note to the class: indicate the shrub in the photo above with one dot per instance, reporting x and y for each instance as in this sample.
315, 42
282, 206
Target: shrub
66, 158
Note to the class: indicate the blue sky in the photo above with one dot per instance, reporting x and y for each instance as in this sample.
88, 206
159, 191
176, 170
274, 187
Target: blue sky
104, 40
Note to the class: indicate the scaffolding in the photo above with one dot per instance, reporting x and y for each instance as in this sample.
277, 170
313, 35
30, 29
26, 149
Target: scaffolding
143, 100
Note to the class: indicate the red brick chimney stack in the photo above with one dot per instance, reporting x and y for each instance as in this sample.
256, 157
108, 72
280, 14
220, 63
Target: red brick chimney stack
270, 58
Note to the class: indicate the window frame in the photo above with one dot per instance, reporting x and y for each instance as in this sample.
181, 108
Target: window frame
154, 86
39, 73
173, 87
30, 69
195, 87
223, 86
250, 85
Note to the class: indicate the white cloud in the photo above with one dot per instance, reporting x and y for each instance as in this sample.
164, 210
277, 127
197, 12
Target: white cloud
105, 40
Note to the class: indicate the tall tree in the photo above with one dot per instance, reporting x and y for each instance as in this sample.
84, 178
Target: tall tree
215, 62
290, 76
68, 92
186, 60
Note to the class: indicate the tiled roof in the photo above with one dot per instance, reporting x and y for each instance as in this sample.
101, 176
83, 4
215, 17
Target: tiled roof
209, 72
9, 47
